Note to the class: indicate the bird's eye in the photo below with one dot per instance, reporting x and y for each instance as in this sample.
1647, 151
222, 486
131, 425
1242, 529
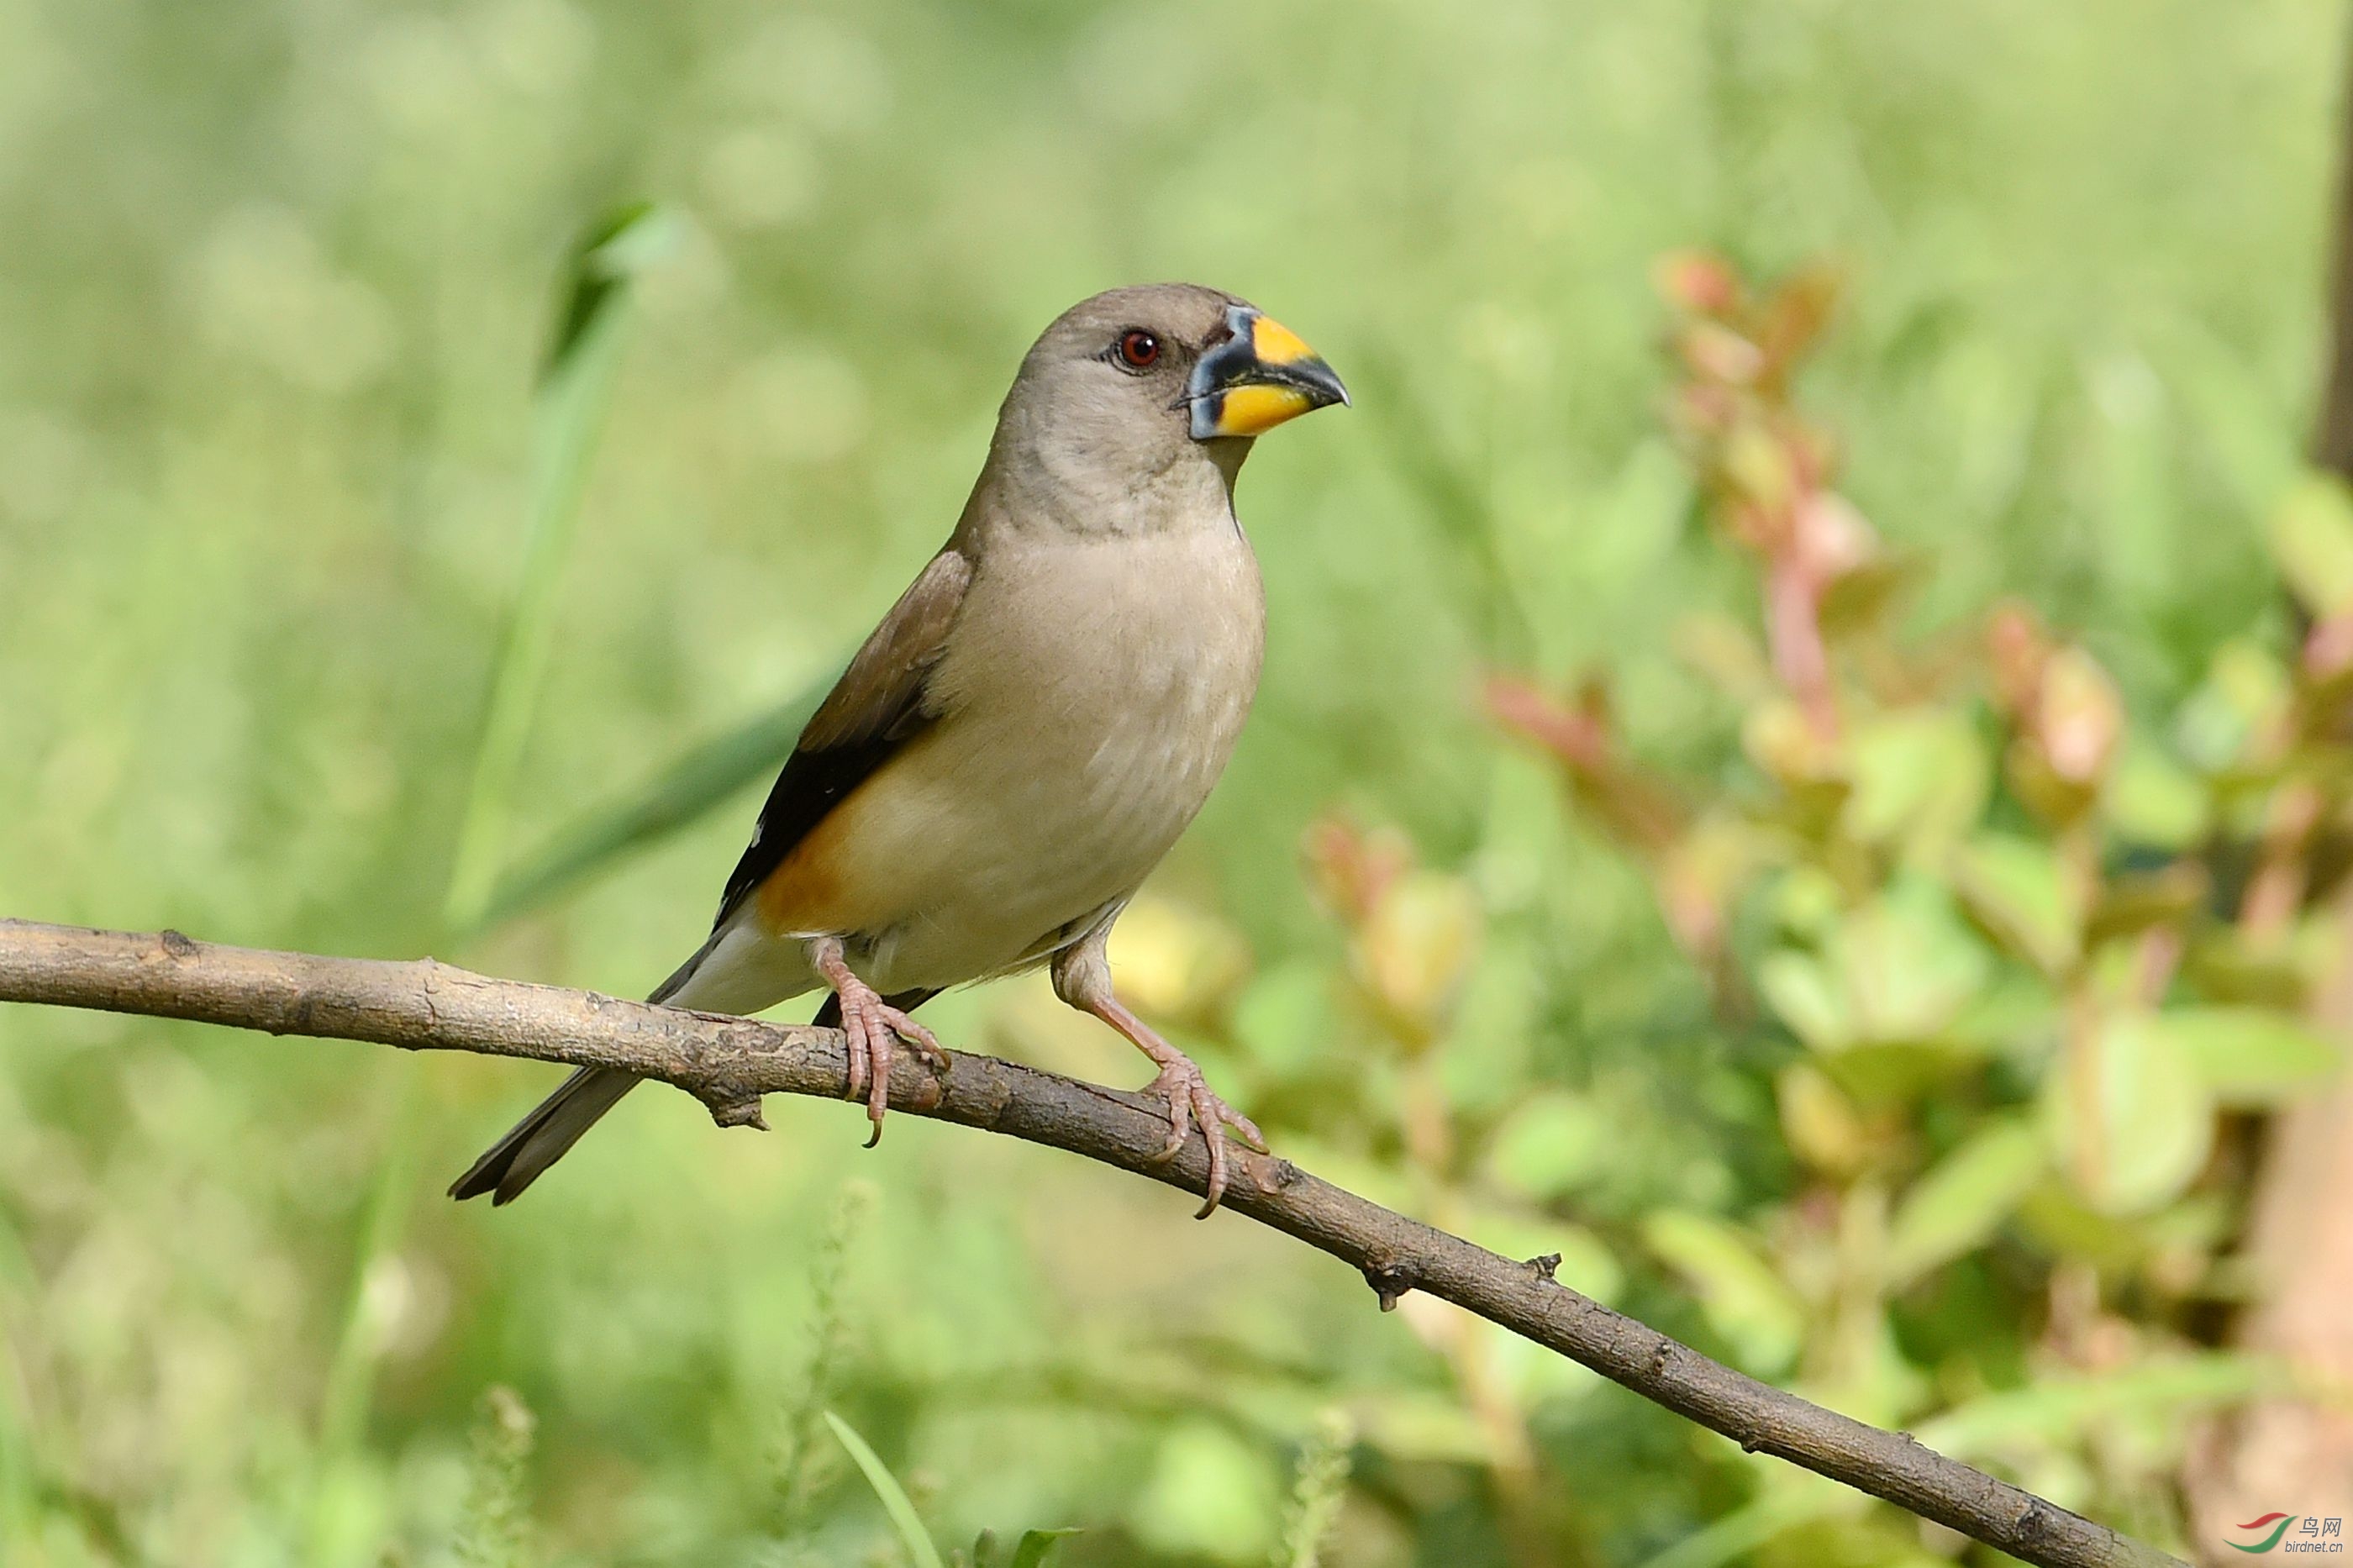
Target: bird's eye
1138, 349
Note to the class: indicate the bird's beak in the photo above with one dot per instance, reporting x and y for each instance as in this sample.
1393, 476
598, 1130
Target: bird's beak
1260, 376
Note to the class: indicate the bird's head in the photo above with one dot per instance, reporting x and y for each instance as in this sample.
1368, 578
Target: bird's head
1139, 390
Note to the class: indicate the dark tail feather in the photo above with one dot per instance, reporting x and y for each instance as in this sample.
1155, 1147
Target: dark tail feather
829, 1015
539, 1140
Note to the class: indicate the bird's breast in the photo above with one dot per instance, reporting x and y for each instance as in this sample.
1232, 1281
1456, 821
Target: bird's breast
1090, 696
1103, 684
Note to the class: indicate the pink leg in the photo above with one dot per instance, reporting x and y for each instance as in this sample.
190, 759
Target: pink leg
1191, 1102
872, 1025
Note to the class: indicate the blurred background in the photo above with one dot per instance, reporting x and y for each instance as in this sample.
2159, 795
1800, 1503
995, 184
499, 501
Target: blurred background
1797, 764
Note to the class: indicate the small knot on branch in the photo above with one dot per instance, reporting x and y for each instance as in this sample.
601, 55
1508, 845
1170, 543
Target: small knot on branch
1390, 1280
176, 944
733, 1111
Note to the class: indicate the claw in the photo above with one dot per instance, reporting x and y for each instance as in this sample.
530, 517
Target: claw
871, 1027
1192, 1103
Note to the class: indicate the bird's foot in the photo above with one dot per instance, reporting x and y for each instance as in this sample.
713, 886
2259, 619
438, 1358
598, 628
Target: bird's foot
1191, 1103
874, 1028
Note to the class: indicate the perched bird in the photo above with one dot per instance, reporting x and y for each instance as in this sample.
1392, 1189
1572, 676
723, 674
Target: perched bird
1030, 729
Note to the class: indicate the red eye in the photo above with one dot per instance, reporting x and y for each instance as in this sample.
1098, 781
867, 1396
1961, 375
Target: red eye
1138, 348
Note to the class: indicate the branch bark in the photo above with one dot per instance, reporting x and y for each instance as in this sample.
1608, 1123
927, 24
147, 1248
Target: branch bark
729, 1063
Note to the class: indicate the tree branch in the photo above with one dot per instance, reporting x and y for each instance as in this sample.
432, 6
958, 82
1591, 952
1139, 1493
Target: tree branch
728, 1063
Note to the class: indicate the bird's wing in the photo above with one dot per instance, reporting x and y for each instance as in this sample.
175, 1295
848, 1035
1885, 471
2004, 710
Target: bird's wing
879, 704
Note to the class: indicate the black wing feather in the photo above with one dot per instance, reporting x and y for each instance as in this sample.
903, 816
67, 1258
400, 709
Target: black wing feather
881, 701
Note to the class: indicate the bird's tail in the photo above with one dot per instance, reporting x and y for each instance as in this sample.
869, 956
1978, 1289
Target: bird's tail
542, 1138
539, 1139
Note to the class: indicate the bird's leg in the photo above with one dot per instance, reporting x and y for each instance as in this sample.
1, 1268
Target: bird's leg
1082, 979
871, 1027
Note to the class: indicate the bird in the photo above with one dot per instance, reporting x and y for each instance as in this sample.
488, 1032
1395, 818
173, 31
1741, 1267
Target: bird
1030, 729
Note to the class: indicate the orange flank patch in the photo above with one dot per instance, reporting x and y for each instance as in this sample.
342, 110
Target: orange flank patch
841, 875
806, 887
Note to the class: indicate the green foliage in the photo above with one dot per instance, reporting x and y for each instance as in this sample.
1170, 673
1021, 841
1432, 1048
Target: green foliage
497, 1528
801, 1472
1831, 1025
1319, 1486
2008, 981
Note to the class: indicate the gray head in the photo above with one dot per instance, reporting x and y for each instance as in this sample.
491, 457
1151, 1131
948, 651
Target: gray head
1151, 393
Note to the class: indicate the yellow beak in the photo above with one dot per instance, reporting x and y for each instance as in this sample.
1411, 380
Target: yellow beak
1262, 376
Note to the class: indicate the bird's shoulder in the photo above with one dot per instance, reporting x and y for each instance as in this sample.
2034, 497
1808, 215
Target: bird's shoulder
881, 703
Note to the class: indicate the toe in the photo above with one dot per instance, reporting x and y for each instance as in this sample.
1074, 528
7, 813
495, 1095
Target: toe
853, 1032
878, 1090
1213, 1133
926, 1044
1180, 1120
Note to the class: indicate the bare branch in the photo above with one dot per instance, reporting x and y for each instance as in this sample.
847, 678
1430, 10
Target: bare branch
728, 1063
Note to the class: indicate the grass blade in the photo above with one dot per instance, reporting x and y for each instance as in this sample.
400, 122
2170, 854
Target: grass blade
894, 1497
688, 787
575, 388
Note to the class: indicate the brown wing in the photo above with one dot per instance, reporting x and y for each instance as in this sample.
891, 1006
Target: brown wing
878, 705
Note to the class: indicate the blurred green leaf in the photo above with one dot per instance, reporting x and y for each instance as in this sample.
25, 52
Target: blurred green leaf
2162, 1390
2135, 1124
2312, 537
1553, 1144
1211, 1493
894, 1497
1804, 992
2015, 888
1820, 1121
705, 778
2130, 904
2250, 1057
1778, 1509
2242, 700
2155, 801
2226, 965
1894, 972
1745, 1300
1420, 1426
1920, 778
1283, 1017
1959, 1202
1036, 1545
